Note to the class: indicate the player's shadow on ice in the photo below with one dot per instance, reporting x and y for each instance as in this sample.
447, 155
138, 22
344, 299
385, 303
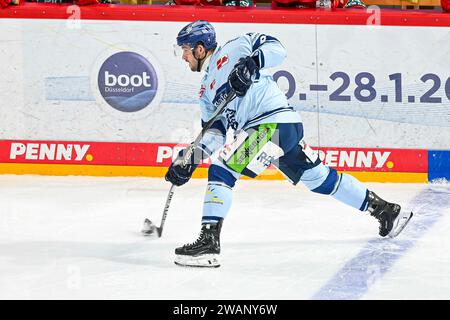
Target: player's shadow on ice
154, 253
32, 253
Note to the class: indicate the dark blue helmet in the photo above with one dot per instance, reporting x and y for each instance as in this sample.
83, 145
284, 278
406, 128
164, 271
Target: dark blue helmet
198, 31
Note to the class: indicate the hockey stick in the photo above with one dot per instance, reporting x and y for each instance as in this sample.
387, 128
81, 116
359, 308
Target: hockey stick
159, 229
149, 227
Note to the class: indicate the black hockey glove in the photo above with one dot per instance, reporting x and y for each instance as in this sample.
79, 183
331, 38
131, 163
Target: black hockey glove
240, 78
179, 174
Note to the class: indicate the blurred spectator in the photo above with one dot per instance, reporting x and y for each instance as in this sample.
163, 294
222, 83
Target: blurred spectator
182, 2
5, 3
358, 4
298, 3
77, 2
239, 3
445, 4
85, 2
318, 4
148, 2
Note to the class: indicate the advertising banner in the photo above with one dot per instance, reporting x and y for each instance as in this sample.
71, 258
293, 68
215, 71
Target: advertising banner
155, 158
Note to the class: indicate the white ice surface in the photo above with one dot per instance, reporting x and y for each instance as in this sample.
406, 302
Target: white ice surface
78, 238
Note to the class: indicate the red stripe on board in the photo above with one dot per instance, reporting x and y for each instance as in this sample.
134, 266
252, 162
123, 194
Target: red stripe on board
230, 14
160, 155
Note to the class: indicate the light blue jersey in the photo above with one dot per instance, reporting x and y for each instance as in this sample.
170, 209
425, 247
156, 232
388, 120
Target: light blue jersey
264, 102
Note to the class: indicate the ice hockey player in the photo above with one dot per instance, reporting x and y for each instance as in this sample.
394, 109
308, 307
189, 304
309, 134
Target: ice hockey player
266, 131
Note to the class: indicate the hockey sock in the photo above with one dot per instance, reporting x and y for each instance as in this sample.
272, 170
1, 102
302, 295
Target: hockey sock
217, 202
343, 187
218, 195
351, 191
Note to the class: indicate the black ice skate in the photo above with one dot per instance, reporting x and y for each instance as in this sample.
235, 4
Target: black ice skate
205, 251
390, 216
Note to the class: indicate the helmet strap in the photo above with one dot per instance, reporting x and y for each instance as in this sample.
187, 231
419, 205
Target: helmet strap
199, 60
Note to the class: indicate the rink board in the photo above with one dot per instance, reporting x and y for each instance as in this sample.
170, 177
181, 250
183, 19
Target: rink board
364, 82
152, 160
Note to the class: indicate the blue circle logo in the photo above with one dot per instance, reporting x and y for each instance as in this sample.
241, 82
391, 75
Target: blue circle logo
127, 81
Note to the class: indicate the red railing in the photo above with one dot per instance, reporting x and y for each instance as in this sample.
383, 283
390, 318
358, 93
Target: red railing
230, 14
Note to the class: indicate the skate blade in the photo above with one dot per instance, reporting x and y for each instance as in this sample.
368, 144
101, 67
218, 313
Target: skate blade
400, 223
203, 261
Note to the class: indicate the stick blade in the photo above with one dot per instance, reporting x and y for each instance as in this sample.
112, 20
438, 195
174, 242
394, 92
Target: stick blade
149, 229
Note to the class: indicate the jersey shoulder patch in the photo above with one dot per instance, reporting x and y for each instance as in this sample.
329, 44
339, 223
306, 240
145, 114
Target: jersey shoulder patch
222, 61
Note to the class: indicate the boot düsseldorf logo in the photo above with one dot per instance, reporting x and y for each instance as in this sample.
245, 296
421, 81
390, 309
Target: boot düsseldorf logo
127, 81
